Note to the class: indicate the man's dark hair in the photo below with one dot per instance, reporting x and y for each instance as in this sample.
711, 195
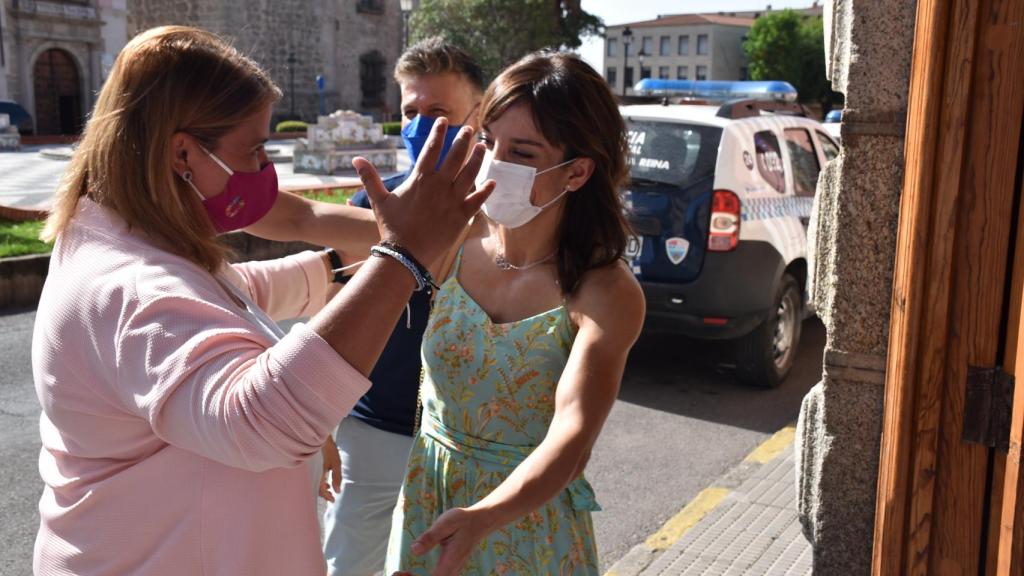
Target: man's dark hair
435, 55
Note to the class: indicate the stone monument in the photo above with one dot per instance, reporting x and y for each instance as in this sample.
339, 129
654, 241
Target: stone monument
9, 137
332, 143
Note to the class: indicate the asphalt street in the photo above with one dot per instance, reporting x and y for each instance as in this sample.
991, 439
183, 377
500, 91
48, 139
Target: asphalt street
681, 422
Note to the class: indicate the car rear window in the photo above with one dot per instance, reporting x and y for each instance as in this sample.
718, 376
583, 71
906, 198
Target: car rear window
670, 152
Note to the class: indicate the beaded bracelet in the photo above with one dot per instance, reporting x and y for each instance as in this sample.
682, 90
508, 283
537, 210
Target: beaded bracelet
424, 272
381, 251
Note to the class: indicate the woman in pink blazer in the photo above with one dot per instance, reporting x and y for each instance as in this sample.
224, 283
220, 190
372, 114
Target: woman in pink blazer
177, 415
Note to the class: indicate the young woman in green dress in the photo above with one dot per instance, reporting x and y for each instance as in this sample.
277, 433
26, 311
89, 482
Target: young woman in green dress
527, 341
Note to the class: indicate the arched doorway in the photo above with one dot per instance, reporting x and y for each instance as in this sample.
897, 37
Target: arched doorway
58, 93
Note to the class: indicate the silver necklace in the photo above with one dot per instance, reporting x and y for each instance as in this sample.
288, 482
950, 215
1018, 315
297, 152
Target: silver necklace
504, 264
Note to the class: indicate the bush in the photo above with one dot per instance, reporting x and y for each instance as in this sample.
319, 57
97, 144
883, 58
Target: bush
392, 128
291, 126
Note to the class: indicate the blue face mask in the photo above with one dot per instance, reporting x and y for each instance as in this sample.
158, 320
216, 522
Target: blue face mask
416, 132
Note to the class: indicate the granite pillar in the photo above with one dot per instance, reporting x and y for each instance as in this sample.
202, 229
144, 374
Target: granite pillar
854, 241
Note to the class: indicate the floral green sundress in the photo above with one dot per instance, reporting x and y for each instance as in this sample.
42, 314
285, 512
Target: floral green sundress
488, 398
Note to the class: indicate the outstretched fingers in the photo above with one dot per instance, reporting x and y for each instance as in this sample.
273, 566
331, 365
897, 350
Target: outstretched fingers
374, 186
431, 153
456, 157
466, 180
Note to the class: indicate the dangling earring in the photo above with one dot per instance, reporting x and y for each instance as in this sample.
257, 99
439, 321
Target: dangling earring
187, 177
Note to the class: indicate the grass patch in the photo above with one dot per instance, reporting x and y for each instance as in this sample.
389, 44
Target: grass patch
21, 238
332, 195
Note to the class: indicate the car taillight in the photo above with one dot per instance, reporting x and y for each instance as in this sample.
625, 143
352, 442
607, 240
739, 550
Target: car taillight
725, 221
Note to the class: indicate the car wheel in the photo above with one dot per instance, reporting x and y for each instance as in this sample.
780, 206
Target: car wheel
765, 356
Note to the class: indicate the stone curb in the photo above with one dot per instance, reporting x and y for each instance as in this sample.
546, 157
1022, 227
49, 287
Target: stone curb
643, 555
22, 277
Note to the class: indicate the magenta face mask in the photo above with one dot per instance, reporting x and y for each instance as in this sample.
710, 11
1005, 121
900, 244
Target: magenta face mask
246, 199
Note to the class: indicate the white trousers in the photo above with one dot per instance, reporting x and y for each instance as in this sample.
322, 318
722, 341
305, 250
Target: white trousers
357, 525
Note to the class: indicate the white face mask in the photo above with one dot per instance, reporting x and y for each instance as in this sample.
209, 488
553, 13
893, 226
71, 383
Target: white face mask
509, 204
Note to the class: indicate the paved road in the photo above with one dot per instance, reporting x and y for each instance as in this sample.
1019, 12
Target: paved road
30, 178
679, 424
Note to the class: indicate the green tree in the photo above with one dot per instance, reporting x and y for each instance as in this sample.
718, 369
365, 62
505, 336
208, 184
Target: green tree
499, 32
789, 46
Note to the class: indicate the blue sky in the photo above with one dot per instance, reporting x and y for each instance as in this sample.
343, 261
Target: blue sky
622, 11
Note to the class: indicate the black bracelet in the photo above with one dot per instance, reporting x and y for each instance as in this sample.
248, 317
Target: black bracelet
424, 273
382, 251
336, 265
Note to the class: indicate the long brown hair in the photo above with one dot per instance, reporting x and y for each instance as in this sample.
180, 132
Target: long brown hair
574, 109
166, 80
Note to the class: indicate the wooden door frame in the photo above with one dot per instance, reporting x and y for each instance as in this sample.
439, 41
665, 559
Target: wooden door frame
963, 123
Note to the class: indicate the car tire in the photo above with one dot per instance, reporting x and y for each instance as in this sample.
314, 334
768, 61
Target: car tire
765, 356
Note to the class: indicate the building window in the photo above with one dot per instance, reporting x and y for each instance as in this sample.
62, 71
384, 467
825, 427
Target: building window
628, 78
684, 45
648, 46
370, 6
662, 72
702, 44
372, 79
682, 72
665, 48
743, 73
613, 47
611, 76
645, 72
702, 72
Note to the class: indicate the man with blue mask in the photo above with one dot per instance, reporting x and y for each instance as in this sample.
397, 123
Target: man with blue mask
437, 79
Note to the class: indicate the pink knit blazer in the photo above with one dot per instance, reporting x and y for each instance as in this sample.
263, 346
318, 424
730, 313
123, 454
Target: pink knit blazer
177, 424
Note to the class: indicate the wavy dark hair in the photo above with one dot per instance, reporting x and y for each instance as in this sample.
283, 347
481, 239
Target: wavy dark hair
574, 109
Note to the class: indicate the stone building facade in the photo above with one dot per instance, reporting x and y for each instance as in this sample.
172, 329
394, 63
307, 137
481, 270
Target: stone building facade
52, 56
353, 44
682, 47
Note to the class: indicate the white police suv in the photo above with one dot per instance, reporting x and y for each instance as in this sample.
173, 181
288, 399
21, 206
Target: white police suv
719, 200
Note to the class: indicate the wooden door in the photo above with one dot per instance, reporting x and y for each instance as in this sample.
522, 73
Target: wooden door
58, 100
946, 505
1005, 554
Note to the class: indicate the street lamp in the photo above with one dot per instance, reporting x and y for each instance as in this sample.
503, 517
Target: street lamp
291, 80
627, 39
640, 57
406, 7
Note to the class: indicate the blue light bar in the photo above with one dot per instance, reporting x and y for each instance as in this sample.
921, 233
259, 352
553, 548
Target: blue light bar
718, 89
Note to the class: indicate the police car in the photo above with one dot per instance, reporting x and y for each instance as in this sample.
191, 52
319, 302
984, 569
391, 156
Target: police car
719, 200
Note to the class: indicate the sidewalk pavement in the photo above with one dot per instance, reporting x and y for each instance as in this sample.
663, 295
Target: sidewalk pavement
744, 525
29, 177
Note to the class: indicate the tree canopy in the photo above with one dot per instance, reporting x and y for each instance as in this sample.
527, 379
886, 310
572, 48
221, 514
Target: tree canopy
499, 32
789, 46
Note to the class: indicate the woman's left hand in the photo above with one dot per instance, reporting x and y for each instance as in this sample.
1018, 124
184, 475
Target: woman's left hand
457, 531
332, 467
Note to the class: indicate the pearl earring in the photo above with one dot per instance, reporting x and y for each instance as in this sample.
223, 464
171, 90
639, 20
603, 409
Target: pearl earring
187, 177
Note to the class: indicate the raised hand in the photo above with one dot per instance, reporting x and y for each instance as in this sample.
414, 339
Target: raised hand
429, 210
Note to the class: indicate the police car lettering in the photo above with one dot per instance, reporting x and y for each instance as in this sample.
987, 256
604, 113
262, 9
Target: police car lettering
655, 163
636, 141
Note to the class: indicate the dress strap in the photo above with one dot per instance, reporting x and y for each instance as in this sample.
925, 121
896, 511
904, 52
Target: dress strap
457, 263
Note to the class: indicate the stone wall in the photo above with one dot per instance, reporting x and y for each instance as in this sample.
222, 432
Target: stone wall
36, 26
854, 239
325, 37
